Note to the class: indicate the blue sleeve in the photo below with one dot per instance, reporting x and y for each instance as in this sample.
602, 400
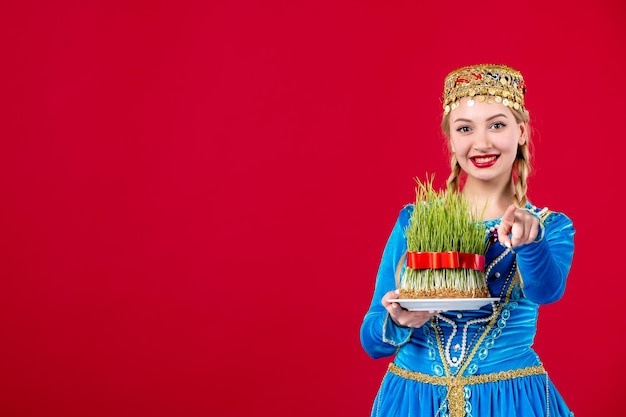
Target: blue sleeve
545, 264
380, 336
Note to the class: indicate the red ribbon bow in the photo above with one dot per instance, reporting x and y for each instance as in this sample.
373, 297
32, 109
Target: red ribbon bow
438, 260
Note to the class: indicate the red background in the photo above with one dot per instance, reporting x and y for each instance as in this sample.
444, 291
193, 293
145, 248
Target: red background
195, 195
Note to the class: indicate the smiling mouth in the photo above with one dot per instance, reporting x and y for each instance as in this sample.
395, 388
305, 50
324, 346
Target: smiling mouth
484, 160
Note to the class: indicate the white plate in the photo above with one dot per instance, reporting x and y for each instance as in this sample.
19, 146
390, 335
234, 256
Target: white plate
443, 304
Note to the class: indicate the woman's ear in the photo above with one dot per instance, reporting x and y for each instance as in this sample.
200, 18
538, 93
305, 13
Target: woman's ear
523, 137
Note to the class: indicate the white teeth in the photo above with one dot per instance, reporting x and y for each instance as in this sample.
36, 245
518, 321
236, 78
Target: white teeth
485, 159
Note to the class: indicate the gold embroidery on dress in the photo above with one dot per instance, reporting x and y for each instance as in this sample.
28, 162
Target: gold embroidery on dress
456, 384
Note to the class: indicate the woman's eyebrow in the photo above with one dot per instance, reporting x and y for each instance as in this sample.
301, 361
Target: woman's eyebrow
495, 116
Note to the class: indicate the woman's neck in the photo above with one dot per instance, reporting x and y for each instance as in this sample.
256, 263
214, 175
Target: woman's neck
487, 201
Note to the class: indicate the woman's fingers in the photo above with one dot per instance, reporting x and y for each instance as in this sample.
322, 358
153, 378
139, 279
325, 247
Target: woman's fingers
413, 318
402, 316
506, 226
517, 227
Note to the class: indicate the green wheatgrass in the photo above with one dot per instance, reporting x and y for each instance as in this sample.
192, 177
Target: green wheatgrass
443, 221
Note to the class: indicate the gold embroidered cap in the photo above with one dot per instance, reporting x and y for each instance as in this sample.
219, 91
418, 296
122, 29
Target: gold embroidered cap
488, 82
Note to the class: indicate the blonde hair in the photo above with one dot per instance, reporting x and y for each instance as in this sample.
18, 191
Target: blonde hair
521, 165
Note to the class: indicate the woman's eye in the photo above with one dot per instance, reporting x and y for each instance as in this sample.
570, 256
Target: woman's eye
498, 125
463, 129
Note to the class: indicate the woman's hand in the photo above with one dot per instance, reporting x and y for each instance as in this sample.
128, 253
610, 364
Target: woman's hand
520, 224
401, 316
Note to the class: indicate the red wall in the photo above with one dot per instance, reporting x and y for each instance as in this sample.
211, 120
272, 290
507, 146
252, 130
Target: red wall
195, 195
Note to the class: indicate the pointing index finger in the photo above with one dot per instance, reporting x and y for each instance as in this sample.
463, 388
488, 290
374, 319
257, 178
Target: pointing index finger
506, 225
508, 218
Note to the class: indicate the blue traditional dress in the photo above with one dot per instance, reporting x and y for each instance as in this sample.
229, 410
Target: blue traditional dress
474, 362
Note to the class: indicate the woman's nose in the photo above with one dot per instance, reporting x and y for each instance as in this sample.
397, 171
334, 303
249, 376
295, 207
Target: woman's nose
481, 140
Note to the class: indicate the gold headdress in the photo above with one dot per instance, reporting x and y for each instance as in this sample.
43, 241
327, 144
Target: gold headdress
488, 82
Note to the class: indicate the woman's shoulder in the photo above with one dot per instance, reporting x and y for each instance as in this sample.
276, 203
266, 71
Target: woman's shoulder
407, 209
404, 216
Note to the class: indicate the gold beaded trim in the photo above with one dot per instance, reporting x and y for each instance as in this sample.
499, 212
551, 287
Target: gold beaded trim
456, 384
466, 380
487, 82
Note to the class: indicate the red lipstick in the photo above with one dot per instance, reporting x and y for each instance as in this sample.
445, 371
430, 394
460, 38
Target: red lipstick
484, 161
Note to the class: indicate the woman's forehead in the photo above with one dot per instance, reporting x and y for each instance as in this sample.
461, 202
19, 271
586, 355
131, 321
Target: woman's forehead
470, 108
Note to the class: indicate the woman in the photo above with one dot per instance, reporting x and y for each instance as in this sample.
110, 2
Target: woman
478, 362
